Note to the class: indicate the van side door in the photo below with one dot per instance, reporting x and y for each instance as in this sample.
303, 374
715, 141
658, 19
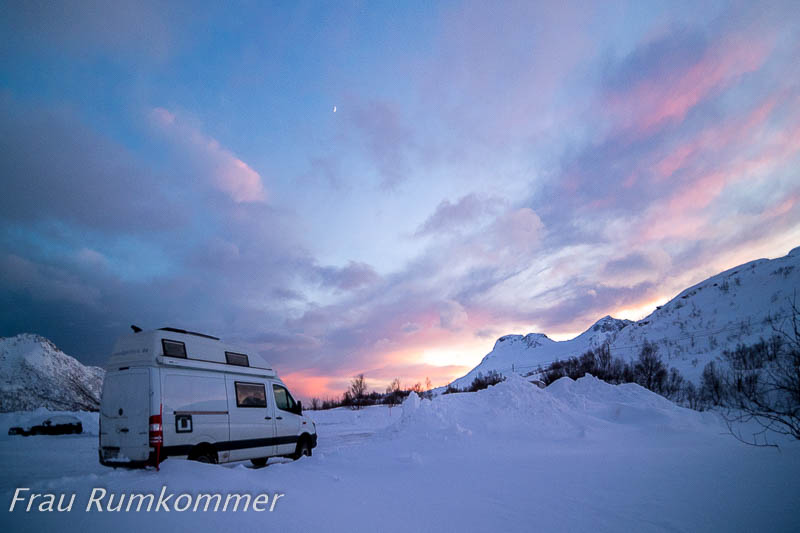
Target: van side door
195, 408
287, 423
252, 426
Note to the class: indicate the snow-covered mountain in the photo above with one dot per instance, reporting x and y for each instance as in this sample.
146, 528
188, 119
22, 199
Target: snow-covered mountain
740, 305
34, 373
520, 354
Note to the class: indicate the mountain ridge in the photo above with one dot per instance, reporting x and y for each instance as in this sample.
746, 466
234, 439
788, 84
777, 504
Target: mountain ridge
739, 305
34, 373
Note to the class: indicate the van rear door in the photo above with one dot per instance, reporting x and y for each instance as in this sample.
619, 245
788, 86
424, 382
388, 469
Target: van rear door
125, 416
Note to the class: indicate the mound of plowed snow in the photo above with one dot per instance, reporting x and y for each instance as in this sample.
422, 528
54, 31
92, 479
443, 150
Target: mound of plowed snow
565, 409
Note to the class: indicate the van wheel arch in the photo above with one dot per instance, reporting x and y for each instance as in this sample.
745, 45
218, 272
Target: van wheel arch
204, 453
303, 447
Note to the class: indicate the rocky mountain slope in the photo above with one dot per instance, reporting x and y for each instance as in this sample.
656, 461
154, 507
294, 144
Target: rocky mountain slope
740, 305
34, 373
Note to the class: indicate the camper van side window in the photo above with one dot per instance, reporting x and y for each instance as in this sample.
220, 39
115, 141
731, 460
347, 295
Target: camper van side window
173, 348
250, 395
238, 359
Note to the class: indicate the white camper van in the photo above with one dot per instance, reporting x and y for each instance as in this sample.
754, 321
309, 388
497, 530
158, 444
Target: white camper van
175, 393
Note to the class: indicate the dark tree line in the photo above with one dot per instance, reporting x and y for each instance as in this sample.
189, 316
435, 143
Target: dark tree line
480, 382
648, 370
356, 396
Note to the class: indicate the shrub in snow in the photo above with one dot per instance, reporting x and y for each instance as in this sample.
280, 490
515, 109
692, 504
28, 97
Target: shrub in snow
484, 381
649, 371
451, 389
712, 387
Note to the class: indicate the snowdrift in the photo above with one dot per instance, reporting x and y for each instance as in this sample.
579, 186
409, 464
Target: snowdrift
566, 409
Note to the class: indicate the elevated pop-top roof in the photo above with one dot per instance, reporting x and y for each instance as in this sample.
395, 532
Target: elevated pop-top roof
181, 348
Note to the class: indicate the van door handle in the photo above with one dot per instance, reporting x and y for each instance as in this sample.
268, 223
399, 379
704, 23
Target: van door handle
279, 417
267, 418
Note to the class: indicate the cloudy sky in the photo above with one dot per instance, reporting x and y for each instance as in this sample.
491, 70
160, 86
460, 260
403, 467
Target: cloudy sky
489, 168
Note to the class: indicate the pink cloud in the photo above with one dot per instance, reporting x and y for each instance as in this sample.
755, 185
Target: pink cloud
782, 207
673, 161
520, 229
652, 103
685, 212
229, 174
716, 138
700, 192
629, 182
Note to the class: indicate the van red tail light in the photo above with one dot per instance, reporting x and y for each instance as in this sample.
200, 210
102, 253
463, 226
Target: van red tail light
157, 435
156, 431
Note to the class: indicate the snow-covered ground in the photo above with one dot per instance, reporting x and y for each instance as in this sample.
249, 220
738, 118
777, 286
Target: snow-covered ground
579, 456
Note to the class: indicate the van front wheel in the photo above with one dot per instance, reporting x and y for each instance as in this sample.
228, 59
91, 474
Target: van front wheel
303, 449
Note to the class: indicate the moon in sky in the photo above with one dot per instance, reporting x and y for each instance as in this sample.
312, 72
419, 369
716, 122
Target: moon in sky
334, 109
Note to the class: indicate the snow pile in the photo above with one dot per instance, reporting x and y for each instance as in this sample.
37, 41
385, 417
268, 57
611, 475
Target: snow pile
566, 409
690, 330
628, 404
34, 373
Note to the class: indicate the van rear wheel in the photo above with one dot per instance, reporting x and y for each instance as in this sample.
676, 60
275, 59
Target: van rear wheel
261, 461
204, 454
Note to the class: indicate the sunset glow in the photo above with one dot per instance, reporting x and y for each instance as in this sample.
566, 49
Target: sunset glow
386, 189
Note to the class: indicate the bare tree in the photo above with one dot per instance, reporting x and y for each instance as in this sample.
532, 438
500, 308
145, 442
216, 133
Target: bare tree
315, 404
763, 384
649, 370
358, 388
393, 392
428, 389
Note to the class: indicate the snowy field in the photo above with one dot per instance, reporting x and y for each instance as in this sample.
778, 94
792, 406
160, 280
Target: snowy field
577, 456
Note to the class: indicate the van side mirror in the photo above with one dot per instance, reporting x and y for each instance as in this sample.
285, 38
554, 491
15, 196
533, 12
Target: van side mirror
299, 407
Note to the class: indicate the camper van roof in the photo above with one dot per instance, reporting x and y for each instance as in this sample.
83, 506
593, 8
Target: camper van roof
191, 349
176, 330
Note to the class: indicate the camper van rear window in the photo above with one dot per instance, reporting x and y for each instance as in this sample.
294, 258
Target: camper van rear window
238, 359
250, 395
173, 348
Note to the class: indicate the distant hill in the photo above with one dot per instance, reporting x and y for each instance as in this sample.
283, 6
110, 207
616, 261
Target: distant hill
34, 373
739, 305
